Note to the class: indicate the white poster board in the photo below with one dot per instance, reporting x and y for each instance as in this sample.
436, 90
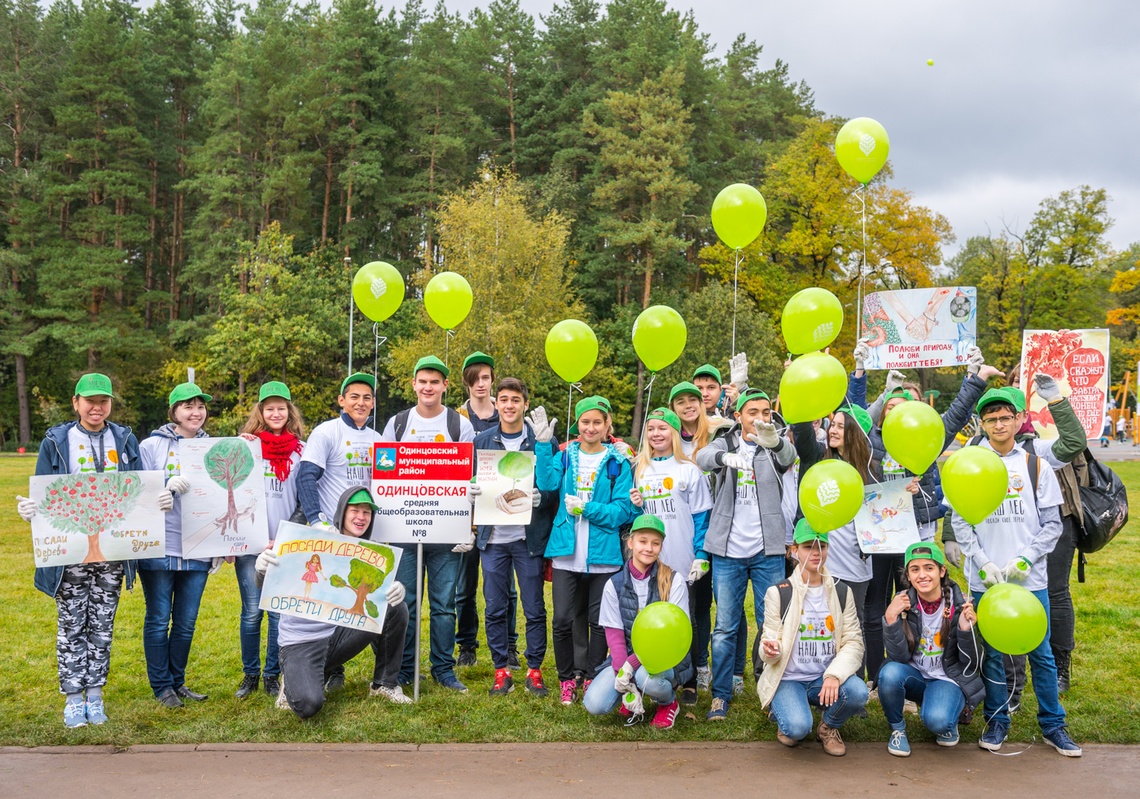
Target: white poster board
506, 479
886, 522
223, 513
421, 490
919, 328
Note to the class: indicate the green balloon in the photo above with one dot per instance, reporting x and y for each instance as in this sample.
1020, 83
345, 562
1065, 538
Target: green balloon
811, 320
812, 387
975, 481
831, 493
914, 435
862, 147
738, 215
378, 289
1011, 619
659, 336
448, 299
571, 349
661, 636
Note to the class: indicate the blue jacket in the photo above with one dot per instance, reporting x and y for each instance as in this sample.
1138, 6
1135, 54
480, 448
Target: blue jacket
538, 531
54, 458
607, 512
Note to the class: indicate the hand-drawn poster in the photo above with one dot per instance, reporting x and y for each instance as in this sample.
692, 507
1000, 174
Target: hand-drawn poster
331, 578
94, 517
886, 522
919, 328
506, 479
223, 513
1078, 361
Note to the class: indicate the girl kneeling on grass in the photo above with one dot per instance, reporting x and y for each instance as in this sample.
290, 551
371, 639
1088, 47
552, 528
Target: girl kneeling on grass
934, 652
642, 581
812, 649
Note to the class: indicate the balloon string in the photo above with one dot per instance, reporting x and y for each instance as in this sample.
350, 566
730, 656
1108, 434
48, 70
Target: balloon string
735, 296
648, 405
376, 365
449, 334
571, 388
862, 269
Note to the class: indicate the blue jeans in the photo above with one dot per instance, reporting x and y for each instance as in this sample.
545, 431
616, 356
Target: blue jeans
466, 610
1050, 714
172, 600
501, 564
251, 622
602, 698
441, 570
941, 701
792, 703
730, 578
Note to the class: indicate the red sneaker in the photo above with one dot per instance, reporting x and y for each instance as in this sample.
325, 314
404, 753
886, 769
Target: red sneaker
504, 683
534, 683
665, 716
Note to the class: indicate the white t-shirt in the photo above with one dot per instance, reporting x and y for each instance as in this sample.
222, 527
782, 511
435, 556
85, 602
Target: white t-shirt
609, 614
746, 538
83, 451
844, 558
429, 430
814, 648
688, 446
927, 657
509, 533
1006, 532
587, 475
673, 491
345, 454
281, 497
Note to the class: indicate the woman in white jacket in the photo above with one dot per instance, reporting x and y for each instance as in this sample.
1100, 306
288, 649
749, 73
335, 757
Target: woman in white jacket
812, 648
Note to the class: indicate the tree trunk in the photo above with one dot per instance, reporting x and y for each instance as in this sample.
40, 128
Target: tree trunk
22, 400
94, 553
328, 195
635, 427
361, 595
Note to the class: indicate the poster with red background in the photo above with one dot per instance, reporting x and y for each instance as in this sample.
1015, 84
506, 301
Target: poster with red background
1078, 361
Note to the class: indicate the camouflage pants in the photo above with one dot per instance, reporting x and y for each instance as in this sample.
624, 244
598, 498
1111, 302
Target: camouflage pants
87, 600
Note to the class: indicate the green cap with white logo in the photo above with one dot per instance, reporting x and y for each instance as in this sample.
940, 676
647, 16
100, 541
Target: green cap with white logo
93, 385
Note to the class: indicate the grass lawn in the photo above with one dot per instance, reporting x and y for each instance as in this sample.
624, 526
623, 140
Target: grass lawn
1103, 705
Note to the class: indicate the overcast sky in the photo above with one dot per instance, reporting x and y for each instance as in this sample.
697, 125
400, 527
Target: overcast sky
1025, 99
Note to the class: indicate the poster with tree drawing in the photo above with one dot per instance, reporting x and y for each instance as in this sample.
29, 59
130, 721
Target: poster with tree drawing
94, 517
223, 513
329, 577
506, 479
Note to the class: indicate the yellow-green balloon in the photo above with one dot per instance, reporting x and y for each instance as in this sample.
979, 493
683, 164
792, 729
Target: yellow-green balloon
661, 636
862, 147
812, 387
914, 435
738, 215
448, 299
831, 493
812, 319
378, 289
1011, 619
659, 336
571, 349
975, 481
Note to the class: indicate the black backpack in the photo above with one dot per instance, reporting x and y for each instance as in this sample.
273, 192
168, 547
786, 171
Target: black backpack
1104, 503
453, 423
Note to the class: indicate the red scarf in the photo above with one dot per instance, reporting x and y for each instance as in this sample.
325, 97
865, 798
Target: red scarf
278, 449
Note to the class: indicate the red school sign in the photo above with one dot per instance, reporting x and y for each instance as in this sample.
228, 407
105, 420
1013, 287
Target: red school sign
421, 491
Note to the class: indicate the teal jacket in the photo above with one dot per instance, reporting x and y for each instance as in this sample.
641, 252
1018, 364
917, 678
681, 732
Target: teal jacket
607, 512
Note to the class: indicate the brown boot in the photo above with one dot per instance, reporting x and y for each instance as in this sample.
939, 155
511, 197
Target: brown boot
831, 739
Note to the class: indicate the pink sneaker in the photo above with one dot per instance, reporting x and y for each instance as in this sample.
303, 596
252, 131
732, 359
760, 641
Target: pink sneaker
585, 687
665, 716
567, 687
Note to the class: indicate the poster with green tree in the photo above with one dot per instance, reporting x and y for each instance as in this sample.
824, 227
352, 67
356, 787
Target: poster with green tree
506, 479
223, 513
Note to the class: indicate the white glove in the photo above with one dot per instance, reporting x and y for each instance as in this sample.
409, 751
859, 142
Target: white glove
895, 380
266, 559
215, 565
396, 593
573, 504
474, 491
624, 682
461, 548
543, 428
734, 460
953, 552
765, 435
1047, 387
974, 360
1017, 570
862, 352
991, 574
323, 526
738, 370
698, 570
25, 507
165, 500
177, 484
535, 497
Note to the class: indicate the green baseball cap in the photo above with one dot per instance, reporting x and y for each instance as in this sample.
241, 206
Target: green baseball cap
748, 395
924, 550
93, 385
805, 534
186, 391
358, 377
684, 387
862, 418
592, 404
431, 362
995, 395
896, 393
478, 357
667, 416
1018, 398
708, 370
647, 521
275, 388
362, 497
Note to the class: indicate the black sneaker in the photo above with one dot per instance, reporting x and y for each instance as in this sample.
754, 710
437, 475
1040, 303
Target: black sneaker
186, 693
504, 683
334, 682
467, 656
688, 696
248, 685
513, 660
273, 686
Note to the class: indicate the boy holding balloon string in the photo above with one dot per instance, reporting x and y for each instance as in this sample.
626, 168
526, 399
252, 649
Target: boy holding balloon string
1019, 533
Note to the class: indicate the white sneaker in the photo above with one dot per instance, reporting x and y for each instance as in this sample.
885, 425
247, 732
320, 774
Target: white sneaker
910, 707
704, 678
393, 693
737, 684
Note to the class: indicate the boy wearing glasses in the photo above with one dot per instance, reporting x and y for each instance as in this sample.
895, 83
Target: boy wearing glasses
1012, 545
